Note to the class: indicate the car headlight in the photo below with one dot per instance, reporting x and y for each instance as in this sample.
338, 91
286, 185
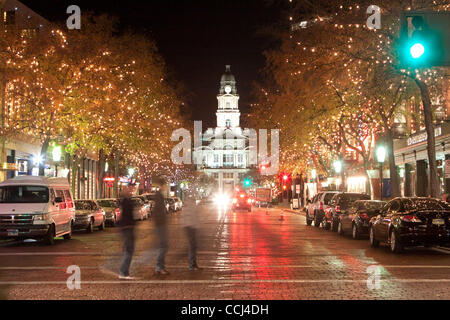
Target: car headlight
41, 217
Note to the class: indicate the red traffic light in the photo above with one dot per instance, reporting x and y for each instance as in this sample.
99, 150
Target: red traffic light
284, 187
285, 177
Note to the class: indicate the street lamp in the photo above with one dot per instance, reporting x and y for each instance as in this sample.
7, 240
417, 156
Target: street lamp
56, 155
381, 156
313, 174
130, 172
337, 166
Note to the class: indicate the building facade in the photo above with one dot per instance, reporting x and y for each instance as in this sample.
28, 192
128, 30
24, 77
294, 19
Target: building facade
411, 152
224, 153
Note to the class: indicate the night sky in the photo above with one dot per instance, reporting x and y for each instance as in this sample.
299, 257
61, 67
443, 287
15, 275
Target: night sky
197, 38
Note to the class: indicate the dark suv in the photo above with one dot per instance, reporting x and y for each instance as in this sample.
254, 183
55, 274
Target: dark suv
340, 203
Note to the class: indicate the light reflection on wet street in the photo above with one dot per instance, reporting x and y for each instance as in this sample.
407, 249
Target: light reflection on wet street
243, 255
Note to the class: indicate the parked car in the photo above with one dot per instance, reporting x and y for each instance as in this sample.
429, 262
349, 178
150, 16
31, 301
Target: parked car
152, 206
170, 205
315, 209
178, 203
338, 205
356, 219
146, 205
140, 211
150, 197
241, 201
411, 222
36, 208
112, 210
89, 215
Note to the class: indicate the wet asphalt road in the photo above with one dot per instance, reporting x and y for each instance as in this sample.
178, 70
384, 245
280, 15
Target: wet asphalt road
243, 255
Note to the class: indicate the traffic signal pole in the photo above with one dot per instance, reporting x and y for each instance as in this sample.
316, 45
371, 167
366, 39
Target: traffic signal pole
425, 43
435, 191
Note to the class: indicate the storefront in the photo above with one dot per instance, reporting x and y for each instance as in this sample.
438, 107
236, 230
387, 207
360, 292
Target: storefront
412, 160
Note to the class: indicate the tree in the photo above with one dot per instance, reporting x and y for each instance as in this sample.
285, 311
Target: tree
311, 67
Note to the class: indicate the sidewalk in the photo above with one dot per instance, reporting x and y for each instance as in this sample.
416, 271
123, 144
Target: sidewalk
287, 207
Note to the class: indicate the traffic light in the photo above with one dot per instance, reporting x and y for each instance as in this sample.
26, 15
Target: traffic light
284, 187
247, 182
285, 177
424, 39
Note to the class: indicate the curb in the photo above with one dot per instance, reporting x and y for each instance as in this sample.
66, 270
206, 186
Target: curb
302, 213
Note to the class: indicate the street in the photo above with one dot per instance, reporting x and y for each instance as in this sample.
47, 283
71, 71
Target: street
243, 256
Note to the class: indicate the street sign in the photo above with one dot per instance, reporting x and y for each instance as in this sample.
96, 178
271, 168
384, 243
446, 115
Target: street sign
263, 194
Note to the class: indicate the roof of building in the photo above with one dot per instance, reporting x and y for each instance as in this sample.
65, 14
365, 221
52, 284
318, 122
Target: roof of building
227, 76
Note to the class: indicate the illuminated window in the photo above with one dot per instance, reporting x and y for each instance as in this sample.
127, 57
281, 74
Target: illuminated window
228, 175
9, 17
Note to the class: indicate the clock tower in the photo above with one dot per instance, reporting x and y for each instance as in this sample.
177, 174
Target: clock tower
228, 112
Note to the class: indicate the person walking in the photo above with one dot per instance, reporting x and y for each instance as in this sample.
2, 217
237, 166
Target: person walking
190, 224
127, 225
159, 217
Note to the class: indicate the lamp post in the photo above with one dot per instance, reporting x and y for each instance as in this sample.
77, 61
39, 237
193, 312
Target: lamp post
56, 155
337, 164
381, 156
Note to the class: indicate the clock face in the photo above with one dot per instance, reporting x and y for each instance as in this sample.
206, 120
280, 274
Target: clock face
227, 88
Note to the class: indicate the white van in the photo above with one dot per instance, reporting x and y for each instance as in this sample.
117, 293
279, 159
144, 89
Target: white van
36, 208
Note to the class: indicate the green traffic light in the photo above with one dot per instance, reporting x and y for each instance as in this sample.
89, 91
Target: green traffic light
247, 182
417, 50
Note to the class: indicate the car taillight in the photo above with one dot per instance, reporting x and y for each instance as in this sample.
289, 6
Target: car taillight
411, 218
249, 200
242, 195
338, 209
321, 205
234, 200
364, 216
117, 210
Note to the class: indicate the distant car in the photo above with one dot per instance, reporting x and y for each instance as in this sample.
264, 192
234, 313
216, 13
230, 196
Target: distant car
241, 201
178, 203
89, 215
170, 205
411, 221
150, 197
112, 210
152, 206
146, 205
356, 219
315, 209
140, 211
338, 205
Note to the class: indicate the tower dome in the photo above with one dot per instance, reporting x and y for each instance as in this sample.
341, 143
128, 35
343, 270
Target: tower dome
227, 82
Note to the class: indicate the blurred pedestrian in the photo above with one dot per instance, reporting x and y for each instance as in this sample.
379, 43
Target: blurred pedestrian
127, 225
190, 223
159, 217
